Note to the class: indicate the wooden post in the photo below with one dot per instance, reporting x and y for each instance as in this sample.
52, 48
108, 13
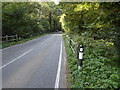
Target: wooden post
16, 37
6, 38
76, 51
70, 42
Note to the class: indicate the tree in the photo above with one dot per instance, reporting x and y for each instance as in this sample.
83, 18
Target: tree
27, 18
100, 19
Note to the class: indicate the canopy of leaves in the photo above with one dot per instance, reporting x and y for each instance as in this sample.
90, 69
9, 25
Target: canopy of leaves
100, 19
28, 18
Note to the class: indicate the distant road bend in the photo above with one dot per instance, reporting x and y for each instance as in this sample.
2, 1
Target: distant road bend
39, 63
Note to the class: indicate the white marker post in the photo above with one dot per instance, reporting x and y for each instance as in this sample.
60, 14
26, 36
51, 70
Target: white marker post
80, 57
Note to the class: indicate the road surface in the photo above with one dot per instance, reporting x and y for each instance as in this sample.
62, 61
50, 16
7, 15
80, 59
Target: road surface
39, 63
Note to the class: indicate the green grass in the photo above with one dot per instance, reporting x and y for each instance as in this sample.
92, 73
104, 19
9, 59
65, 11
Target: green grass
100, 66
7, 44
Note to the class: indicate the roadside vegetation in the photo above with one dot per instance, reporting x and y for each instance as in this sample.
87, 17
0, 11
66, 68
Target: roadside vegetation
28, 20
7, 44
94, 25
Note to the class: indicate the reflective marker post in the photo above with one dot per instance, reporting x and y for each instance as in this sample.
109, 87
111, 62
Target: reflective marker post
80, 57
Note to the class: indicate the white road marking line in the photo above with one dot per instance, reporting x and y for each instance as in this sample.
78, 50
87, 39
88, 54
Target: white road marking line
59, 68
15, 59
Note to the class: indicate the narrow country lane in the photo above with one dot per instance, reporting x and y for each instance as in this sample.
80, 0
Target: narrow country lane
39, 63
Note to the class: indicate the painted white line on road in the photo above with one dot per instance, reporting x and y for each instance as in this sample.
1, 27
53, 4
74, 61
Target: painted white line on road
59, 68
15, 59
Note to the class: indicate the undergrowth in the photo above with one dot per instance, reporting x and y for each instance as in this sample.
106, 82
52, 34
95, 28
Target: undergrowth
7, 44
100, 65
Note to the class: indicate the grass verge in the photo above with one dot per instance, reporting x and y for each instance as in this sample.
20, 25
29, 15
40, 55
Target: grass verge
7, 44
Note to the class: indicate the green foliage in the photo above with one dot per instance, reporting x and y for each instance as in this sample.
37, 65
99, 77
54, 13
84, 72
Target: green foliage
29, 18
100, 69
101, 20
7, 44
95, 25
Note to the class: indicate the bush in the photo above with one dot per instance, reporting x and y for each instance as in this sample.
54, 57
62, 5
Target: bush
100, 65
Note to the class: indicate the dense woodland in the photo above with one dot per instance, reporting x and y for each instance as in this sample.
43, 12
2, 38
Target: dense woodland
26, 19
100, 20
95, 25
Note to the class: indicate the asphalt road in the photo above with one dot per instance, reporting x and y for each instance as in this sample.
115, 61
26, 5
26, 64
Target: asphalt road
39, 63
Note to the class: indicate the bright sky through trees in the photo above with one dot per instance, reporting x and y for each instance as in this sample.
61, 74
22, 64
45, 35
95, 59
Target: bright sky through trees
56, 1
